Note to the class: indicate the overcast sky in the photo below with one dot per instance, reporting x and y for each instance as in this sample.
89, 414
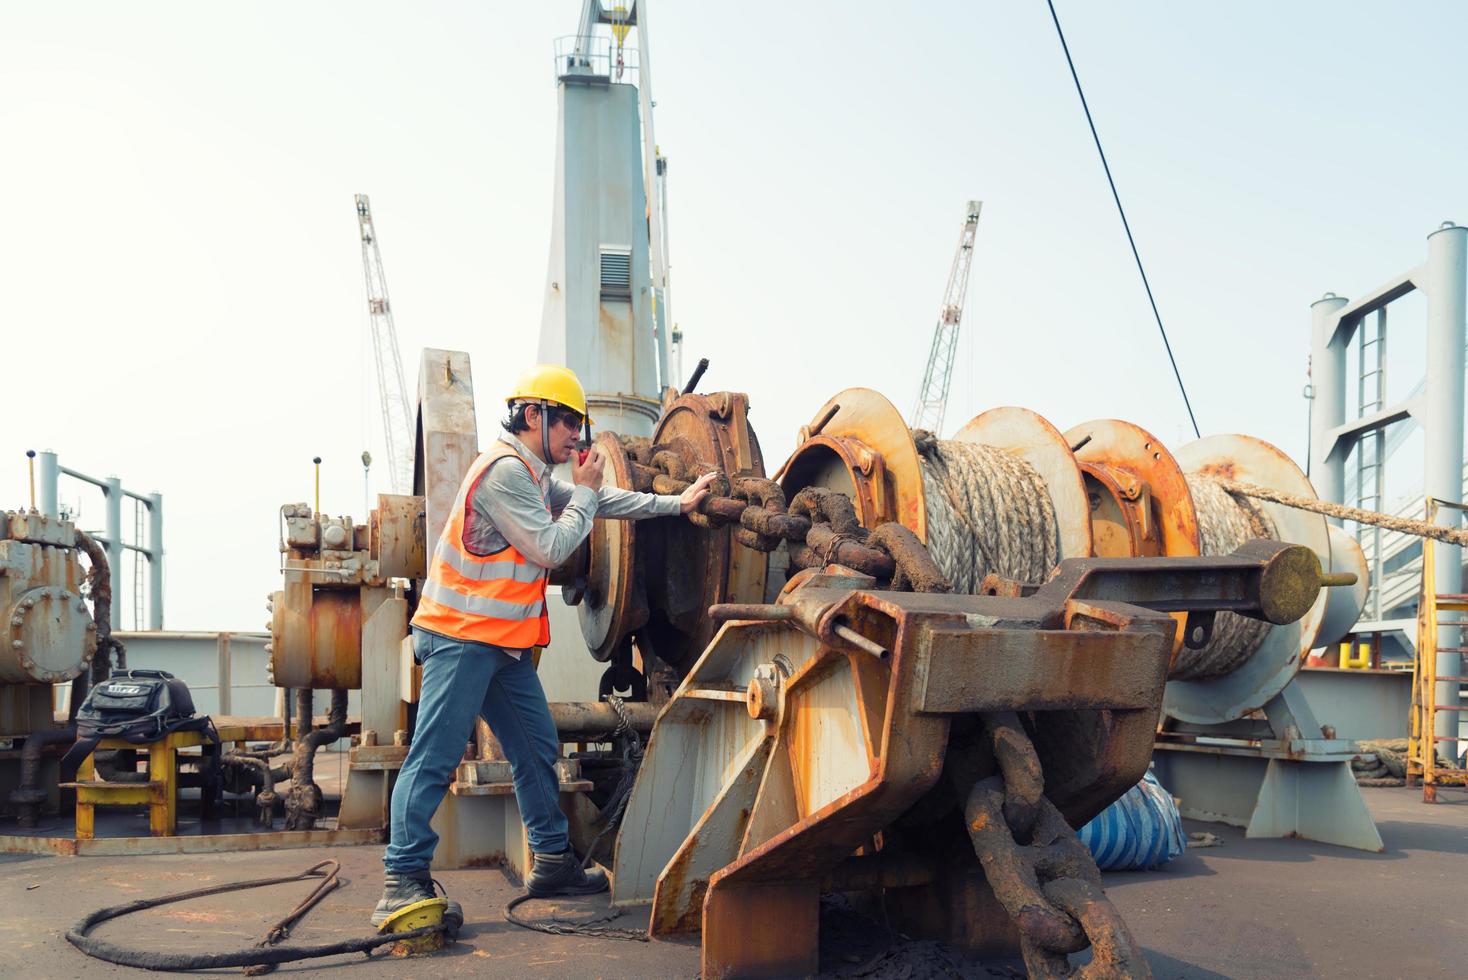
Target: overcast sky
183, 296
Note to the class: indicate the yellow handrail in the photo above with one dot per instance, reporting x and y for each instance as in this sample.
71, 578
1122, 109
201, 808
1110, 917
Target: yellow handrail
1423, 739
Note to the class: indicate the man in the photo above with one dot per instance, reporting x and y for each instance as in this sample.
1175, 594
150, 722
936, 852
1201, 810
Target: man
481, 613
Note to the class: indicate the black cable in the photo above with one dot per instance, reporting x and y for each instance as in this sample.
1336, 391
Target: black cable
255, 956
1124, 223
617, 803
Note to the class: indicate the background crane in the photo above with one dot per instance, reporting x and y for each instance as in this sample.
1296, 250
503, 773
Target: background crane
932, 398
397, 426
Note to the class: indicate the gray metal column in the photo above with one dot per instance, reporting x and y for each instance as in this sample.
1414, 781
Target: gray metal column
1446, 277
46, 490
113, 492
1328, 404
155, 563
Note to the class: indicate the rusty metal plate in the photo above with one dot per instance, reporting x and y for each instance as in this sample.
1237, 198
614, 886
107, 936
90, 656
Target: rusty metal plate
881, 437
1039, 670
447, 438
613, 605
1283, 652
400, 530
1128, 459
1029, 436
1135, 451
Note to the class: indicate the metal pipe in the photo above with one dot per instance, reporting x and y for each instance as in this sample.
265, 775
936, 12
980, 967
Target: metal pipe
80, 684
598, 717
759, 611
265, 797
100, 579
697, 376
155, 561
1328, 397
50, 505
113, 498
303, 804
30, 795
1442, 425
305, 699
107, 767
862, 643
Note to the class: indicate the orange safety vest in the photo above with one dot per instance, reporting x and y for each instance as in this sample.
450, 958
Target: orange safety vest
497, 599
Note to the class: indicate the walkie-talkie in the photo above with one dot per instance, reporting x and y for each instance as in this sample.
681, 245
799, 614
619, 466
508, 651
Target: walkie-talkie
585, 446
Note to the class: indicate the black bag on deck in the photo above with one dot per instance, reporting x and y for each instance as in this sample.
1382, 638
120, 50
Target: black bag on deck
138, 705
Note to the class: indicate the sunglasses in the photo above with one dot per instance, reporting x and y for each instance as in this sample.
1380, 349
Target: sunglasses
570, 418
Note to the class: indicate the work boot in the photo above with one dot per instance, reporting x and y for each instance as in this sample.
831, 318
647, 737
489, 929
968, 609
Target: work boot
562, 874
401, 890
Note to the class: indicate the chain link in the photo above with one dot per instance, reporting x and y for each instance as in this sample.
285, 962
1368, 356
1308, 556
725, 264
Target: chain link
820, 526
1040, 871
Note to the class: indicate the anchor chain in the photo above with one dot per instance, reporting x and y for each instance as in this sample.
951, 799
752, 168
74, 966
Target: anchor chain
1040, 871
819, 525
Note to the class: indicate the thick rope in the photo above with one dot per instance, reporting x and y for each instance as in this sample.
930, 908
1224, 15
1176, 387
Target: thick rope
1224, 523
1421, 529
988, 512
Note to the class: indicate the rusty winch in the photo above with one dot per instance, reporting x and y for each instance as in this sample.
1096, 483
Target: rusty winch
857, 703
900, 665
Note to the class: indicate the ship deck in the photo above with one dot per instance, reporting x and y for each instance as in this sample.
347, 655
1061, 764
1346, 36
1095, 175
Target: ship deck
1247, 908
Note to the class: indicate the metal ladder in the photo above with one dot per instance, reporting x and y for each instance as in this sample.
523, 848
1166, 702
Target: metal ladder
1371, 450
1422, 758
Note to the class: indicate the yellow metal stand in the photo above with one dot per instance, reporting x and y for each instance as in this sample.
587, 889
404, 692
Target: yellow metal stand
1422, 758
159, 794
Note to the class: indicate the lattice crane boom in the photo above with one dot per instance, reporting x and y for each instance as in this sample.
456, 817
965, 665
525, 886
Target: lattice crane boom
932, 400
397, 424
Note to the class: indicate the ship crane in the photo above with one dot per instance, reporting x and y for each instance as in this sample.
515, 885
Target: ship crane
397, 430
932, 398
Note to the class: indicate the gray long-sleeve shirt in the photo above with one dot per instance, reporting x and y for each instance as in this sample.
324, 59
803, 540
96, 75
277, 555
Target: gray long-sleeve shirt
545, 518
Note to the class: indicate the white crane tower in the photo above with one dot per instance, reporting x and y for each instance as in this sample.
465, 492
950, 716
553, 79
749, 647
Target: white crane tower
932, 398
397, 425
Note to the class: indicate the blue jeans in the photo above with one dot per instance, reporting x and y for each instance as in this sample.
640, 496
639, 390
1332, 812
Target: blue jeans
463, 680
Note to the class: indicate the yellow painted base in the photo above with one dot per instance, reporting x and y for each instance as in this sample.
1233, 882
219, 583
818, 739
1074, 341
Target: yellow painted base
419, 915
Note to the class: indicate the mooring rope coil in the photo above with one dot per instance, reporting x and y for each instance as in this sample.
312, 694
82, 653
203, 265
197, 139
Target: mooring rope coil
1224, 523
988, 512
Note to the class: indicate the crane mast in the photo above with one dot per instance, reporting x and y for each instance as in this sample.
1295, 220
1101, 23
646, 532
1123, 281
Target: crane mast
932, 398
397, 426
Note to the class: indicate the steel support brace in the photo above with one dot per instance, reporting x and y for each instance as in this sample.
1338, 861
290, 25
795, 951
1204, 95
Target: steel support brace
479, 826
1289, 786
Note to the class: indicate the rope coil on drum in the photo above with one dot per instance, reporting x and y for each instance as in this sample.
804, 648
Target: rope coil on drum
1225, 521
988, 511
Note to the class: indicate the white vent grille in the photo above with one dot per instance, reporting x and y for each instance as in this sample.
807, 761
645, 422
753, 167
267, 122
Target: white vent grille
616, 272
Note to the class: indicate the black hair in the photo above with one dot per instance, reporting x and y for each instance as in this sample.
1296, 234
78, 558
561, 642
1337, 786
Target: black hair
515, 422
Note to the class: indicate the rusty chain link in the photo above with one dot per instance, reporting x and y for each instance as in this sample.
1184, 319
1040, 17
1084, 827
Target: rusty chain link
820, 525
1040, 871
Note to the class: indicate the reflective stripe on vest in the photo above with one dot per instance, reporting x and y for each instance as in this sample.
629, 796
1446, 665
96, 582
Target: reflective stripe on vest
483, 571
479, 605
497, 599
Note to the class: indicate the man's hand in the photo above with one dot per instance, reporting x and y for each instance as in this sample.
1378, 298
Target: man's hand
588, 472
695, 494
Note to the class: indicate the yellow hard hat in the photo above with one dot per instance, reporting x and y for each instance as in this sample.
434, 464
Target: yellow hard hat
550, 383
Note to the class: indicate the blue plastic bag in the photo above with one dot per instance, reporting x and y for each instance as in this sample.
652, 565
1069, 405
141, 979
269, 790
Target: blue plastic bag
1141, 830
